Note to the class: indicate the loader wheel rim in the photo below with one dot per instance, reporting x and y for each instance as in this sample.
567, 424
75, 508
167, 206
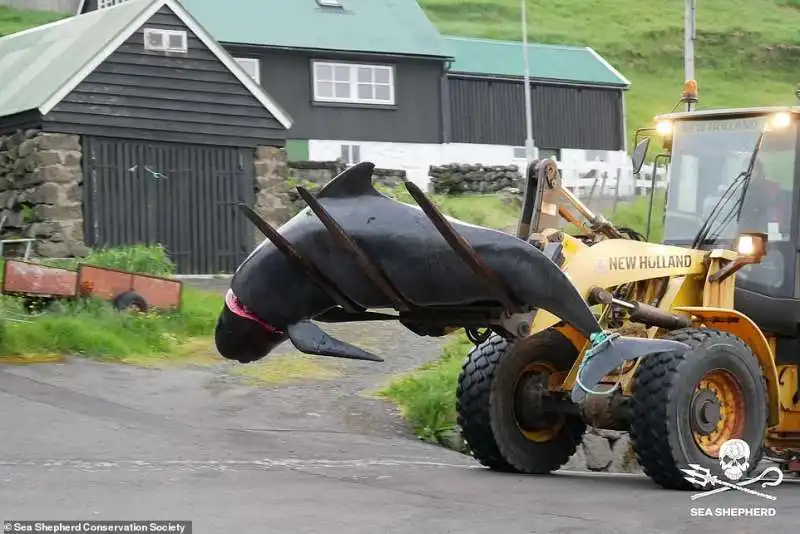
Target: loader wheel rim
547, 425
717, 411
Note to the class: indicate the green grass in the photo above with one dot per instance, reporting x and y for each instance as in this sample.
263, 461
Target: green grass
15, 20
494, 212
746, 50
90, 327
426, 396
491, 211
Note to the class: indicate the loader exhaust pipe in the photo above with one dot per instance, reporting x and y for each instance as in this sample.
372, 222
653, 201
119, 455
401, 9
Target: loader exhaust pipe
532, 194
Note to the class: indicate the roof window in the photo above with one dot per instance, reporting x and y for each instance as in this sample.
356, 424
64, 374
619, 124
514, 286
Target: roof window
330, 3
159, 40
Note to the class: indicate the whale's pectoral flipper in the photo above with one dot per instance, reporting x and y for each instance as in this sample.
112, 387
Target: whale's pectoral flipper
609, 351
464, 250
373, 271
311, 339
307, 266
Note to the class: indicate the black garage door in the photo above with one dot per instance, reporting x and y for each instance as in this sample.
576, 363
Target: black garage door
181, 196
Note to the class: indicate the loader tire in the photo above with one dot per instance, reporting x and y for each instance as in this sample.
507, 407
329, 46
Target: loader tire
486, 405
678, 397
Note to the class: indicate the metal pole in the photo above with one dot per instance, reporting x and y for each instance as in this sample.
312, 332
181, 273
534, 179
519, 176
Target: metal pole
530, 148
689, 34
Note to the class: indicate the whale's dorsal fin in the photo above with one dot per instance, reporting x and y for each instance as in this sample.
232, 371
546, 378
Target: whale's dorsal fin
354, 181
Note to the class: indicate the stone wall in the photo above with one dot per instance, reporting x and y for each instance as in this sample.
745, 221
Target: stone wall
458, 179
605, 451
40, 191
272, 173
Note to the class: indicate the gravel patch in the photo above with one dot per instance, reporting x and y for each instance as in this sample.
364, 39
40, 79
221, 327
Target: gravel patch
345, 403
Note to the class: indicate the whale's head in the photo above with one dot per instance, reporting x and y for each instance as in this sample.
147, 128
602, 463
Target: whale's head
283, 283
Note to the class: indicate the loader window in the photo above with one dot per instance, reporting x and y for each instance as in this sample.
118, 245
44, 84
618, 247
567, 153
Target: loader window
708, 155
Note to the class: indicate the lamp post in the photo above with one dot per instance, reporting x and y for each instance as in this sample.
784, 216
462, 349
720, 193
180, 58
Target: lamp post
530, 148
689, 35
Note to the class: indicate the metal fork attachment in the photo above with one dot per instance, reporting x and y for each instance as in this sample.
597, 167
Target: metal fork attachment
349, 310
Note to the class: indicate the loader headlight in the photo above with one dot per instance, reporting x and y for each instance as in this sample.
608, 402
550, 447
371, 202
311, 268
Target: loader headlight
781, 120
664, 128
751, 248
752, 245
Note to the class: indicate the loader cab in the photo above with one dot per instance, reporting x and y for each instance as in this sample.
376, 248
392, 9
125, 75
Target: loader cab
708, 151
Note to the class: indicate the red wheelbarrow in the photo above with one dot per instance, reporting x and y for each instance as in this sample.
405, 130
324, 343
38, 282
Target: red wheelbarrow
41, 284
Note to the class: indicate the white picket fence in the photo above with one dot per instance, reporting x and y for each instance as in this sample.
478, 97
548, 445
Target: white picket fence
590, 180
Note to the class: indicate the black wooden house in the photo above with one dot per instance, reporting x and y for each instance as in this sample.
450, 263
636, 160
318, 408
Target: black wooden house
168, 124
375, 80
577, 97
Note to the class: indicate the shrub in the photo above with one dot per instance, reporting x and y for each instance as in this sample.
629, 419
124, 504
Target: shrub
93, 327
144, 259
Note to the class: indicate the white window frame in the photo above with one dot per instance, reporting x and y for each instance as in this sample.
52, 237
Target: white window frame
353, 154
166, 34
254, 63
354, 83
103, 4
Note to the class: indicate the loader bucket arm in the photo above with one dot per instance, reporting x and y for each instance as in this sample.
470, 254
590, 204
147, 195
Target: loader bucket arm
547, 200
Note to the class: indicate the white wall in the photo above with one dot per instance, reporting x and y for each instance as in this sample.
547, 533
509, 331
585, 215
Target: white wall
416, 158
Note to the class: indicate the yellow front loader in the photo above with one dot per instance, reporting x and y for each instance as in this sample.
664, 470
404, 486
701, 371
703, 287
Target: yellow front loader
724, 281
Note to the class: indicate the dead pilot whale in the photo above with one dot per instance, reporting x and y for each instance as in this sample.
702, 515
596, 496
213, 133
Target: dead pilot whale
354, 249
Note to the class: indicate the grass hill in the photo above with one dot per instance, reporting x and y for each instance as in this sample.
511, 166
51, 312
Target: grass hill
14, 20
747, 52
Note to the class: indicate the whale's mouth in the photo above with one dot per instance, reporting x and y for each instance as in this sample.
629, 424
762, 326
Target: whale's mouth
235, 305
243, 336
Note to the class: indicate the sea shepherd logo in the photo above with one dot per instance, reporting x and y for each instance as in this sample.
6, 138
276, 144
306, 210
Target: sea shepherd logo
734, 460
628, 263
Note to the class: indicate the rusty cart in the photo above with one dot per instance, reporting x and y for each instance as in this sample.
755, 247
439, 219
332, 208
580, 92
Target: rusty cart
41, 284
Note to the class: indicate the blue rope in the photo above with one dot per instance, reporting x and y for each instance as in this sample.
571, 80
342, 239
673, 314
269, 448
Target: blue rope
599, 341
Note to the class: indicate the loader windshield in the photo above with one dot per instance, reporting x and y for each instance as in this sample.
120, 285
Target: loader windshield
708, 155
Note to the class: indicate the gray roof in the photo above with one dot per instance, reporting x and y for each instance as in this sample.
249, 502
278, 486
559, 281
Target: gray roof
40, 66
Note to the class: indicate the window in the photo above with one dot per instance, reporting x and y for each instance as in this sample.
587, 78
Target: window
251, 66
351, 83
596, 155
165, 40
102, 4
544, 153
550, 153
351, 154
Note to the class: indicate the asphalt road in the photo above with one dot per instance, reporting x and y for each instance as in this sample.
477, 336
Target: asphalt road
85, 440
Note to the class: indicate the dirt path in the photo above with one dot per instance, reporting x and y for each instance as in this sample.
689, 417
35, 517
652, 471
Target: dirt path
335, 394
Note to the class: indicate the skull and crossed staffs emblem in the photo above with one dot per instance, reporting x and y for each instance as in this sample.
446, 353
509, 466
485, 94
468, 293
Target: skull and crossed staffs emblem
734, 459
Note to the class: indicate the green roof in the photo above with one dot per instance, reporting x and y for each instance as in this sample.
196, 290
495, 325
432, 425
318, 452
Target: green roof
36, 63
381, 26
40, 66
573, 64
